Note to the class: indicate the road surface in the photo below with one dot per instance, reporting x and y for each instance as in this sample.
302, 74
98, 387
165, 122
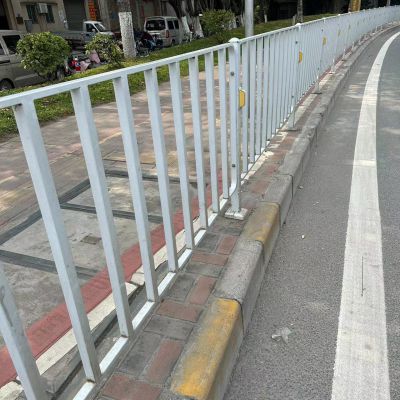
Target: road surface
333, 280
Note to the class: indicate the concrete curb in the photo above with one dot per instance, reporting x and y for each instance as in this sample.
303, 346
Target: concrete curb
204, 370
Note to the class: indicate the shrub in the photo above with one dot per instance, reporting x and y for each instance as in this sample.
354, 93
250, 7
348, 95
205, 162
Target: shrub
43, 53
217, 23
107, 49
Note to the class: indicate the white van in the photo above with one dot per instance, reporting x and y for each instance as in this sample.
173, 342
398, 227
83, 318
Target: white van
166, 28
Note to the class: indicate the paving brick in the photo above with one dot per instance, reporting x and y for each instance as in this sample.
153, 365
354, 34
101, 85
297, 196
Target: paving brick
258, 186
138, 357
181, 287
268, 168
176, 310
168, 395
204, 269
277, 156
122, 387
209, 242
227, 244
169, 327
164, 361
202, 290
227, 226
207, 258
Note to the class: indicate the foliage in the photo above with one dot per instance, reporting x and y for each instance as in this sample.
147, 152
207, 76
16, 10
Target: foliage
107, 49
217, 23
43, 53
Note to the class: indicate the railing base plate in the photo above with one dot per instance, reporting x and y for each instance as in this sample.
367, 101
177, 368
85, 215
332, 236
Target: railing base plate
240, 215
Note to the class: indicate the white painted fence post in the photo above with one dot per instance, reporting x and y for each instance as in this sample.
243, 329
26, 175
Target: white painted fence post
235, 211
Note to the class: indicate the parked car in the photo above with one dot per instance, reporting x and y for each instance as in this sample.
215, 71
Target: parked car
166, 28
89, 30
12, 73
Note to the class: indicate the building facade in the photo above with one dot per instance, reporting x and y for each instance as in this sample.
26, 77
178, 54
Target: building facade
28, 15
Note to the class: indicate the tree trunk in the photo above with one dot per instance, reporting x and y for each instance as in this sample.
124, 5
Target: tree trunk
299, 16
263, 10
126, 25
197, 8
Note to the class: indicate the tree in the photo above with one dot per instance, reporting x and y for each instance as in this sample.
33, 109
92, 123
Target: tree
217, 22
299, 15
126, 24
43, 53
107, 49
263, 10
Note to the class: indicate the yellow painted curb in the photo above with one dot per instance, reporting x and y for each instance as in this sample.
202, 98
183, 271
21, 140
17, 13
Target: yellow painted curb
263, 224
204, 369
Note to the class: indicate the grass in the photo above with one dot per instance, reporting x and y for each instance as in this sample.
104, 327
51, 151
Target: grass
58, 106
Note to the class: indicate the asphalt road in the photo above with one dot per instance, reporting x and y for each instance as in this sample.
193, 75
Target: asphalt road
303, 289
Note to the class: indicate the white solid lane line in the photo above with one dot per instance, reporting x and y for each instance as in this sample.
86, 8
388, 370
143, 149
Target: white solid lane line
361, 364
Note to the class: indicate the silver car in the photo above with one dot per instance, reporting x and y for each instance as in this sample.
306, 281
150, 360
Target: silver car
12, 73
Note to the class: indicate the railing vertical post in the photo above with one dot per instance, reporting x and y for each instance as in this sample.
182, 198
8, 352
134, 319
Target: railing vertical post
252, 100
245, 108
98, 183
292, 119
129, 139
223, 122
198, 139
14, 336
333, 67
345, 43
321, 57
180, 138
265, 94
212, 138
160, 152
234, 57
259, 88
45, 189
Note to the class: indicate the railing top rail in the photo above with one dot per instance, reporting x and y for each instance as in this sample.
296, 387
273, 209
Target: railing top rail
30, 95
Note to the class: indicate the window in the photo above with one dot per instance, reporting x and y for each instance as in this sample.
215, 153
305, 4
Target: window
1, 50
100, 27
170, 25
49, 15
11, 42
176, 24
90, 28
32, 13
155, 25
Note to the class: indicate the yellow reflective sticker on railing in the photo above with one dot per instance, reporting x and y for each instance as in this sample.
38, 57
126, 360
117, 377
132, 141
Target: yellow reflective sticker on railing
300, 56
324, 41
242, 98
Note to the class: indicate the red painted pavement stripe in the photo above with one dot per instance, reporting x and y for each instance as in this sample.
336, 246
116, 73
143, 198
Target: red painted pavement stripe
43, 333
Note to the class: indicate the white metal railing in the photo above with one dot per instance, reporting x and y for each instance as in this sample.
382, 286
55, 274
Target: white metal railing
275, 70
